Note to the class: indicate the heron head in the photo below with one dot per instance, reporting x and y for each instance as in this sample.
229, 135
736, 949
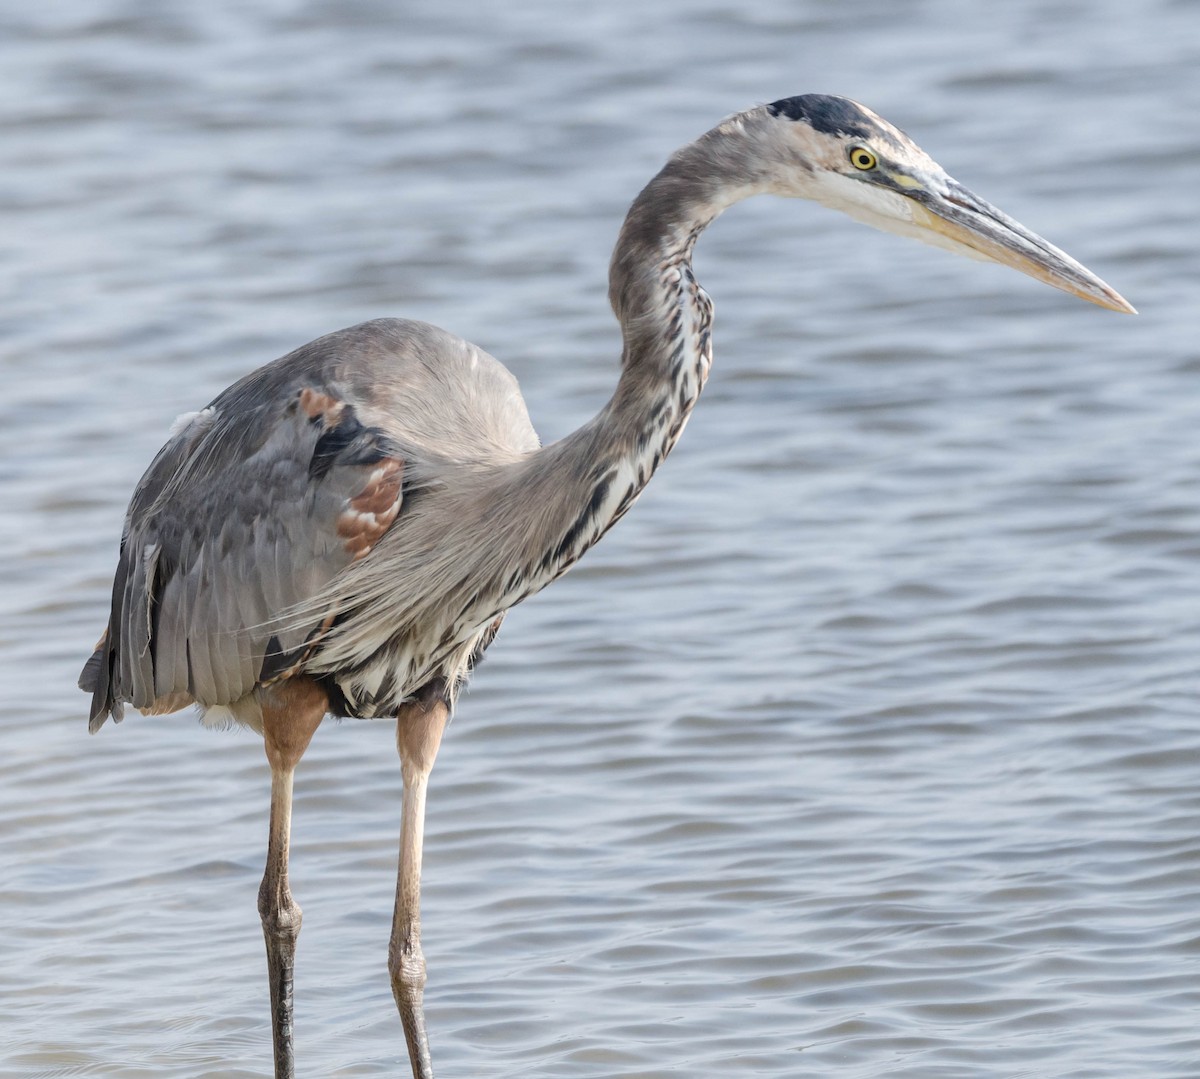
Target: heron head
843, 155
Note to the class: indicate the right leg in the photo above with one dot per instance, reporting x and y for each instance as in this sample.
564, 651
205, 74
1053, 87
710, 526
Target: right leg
419, 728
291, 713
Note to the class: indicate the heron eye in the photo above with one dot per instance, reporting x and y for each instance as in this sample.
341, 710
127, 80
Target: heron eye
863, 159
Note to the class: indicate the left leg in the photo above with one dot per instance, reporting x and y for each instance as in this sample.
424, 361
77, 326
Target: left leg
419, 730
291, 714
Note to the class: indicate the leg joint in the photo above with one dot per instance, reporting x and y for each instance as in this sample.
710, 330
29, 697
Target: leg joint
406, 965
281, 915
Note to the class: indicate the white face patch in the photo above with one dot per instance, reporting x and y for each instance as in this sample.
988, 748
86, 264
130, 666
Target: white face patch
864, 201
888, 211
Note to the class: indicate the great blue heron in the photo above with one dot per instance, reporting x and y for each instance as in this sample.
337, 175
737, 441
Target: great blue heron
342, 531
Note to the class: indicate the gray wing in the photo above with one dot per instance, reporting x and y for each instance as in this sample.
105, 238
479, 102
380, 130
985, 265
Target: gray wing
255, 504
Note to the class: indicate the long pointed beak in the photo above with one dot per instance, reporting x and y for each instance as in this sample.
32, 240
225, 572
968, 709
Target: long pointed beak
963, 218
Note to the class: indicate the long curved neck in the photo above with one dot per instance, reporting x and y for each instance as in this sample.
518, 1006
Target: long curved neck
666, 321
666, 317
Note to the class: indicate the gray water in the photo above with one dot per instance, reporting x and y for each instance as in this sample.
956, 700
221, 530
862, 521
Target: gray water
865, 746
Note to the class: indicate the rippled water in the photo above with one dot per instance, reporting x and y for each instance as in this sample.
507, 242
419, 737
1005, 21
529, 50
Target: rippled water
865, 746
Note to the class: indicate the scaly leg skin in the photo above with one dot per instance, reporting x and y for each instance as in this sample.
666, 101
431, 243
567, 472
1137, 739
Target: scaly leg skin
291, 713
419, 730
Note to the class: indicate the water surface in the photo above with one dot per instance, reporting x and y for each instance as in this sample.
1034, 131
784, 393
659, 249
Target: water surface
866, 745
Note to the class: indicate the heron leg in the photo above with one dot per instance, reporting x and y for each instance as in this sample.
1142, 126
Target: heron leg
419, 730
291, 714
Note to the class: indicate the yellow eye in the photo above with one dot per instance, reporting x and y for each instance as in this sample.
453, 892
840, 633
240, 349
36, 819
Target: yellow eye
863, 159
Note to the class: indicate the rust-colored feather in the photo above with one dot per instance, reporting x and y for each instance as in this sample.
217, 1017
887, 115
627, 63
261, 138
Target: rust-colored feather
372, 511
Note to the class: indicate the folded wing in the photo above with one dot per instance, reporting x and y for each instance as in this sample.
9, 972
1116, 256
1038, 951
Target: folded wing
254, 505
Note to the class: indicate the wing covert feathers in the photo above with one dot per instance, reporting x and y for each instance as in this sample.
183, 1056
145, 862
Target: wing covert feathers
233, 525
